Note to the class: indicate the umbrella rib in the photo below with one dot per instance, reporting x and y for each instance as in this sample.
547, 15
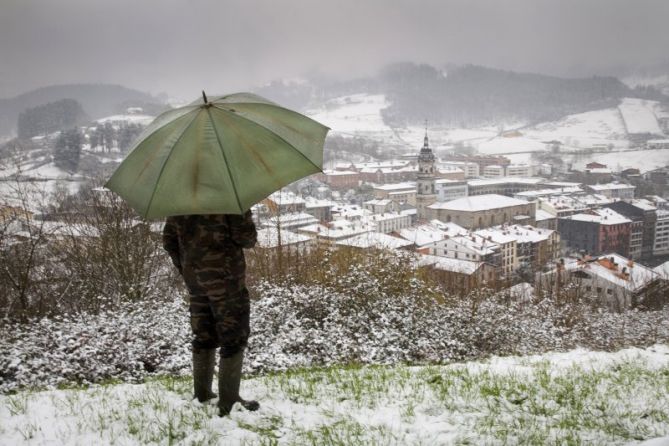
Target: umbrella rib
225, 158
162, 168
274, 133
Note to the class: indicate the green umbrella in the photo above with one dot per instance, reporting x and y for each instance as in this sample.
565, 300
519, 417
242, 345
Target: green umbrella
218, 157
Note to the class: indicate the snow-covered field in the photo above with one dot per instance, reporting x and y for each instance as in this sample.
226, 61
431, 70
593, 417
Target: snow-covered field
639, 116
578, 397
361, 115
358, 115
644, 160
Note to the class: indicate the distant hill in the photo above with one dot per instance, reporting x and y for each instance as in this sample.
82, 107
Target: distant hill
97, 100
464, 96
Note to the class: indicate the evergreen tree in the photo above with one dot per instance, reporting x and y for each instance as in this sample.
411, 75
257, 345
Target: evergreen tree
67, 150
109, 136
127, 135
49, 118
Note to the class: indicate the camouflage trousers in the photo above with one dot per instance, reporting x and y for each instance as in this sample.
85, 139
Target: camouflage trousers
220, 320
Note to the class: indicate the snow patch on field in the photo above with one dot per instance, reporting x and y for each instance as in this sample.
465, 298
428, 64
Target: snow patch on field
358, 114
573, 397
639, 116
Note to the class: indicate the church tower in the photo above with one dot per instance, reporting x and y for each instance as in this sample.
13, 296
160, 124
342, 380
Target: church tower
425, 193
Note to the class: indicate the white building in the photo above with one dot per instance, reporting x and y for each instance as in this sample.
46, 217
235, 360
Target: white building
380, 206
398, 192
390, 222
493, 171
467, 247
661, 244
508, 248
520, 170
470, 169
448, 190
619, 191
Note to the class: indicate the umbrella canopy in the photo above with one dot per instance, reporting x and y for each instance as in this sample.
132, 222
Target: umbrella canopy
218, 157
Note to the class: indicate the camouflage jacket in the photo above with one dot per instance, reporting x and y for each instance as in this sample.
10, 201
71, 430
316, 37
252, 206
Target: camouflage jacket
207, 249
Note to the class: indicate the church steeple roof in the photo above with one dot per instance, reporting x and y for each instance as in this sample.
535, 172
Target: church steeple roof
425, 152
426, 143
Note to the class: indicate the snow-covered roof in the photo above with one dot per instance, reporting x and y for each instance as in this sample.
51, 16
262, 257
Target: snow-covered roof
383, 164
447, 264
407, 185
337, 229
611, 186
282, 197
312, 202
604, 216
643, 204
548, 192
291, 219
384, 202
497, 235
529, 234
451, 229
505, 180
663, 270
478, 203
562, 184
385, 216
269, 238
423, 235
334, 173
388, 169
543, 215
477, 244
375, 240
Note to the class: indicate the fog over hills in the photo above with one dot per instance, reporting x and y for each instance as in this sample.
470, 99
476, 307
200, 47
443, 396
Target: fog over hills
451, 96
97, 100
466, 95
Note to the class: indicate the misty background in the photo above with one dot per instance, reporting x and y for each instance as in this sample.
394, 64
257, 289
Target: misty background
179, 48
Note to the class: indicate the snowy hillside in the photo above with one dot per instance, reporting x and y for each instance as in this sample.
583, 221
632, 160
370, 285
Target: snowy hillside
659, 81
606, 130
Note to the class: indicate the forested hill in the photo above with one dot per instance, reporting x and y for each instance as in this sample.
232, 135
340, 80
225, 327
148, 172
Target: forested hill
466, 95
97, 100
473, 95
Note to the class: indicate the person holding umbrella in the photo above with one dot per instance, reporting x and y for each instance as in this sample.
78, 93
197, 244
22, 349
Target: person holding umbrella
203, 166
208, 252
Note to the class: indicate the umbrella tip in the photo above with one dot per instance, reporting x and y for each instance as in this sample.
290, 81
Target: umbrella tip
204, 96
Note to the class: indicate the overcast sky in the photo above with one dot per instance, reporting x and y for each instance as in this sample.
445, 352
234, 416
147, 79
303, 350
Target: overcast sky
182, 47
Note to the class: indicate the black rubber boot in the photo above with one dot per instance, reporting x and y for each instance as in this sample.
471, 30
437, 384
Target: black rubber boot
229, 378
203, 374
